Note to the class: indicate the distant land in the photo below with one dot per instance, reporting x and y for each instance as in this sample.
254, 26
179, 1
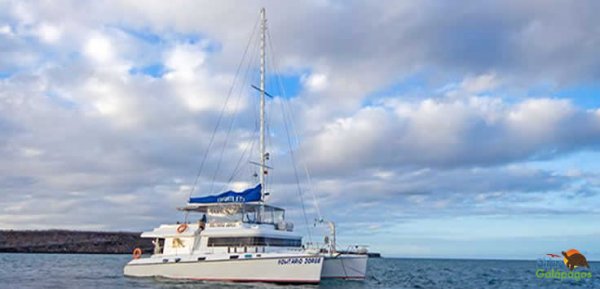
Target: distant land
74, 242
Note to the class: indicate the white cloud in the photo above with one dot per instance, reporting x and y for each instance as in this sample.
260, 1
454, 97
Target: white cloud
351, 140
383, 174
109, 98
183, 61
31, 152
196, 85
451, 132
6, 30
539, 119
480, 83
315, 81
99, 48
49, 33
240, 186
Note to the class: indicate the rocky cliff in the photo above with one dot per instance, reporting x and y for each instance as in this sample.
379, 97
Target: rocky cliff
63, 241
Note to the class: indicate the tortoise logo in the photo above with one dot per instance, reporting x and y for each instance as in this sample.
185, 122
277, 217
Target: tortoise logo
574, 259
551, 267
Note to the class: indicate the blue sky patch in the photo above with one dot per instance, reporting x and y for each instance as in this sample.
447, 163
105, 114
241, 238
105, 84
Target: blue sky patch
5, 74
291, 85
156, 70
143, 34
586, 96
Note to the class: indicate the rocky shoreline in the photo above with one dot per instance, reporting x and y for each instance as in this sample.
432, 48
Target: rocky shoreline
72, 242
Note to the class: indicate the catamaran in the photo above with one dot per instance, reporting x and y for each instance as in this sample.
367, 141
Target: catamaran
238, 236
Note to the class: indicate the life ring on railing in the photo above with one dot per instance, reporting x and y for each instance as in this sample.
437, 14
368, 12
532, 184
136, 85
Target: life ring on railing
137, 253
182, 228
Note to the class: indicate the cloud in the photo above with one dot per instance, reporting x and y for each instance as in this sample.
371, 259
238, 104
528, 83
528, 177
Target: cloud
315, 81
6, 30
425, 111
473, 85
451, 132
99, 48
49, 33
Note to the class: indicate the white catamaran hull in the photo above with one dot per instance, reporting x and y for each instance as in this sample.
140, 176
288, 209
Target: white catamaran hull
278, 270
345, 266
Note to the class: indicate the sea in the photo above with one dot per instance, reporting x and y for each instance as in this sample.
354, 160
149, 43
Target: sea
106, 271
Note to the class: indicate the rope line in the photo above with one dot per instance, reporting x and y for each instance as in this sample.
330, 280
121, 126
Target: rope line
231, 123
289, 139
214, 132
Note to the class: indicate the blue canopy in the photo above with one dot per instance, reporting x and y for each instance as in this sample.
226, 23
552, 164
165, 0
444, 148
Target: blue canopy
249, 195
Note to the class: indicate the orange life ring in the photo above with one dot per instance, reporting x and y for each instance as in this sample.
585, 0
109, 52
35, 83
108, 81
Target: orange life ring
182, 228
137, 253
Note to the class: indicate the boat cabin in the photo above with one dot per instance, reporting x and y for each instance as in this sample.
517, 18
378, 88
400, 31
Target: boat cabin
227, 228
234, 214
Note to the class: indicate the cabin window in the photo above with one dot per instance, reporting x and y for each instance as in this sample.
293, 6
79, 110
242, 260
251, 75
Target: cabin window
254, 241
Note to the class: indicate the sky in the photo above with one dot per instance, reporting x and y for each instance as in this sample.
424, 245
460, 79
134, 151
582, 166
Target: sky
462, 129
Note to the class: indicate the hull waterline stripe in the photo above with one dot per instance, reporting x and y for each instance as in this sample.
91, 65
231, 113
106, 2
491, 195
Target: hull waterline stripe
223, 260
298, 281
343, 277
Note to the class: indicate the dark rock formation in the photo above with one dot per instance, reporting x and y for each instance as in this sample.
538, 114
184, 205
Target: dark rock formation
63, 241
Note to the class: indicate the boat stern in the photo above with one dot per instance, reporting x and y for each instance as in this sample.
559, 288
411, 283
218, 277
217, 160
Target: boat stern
345, 266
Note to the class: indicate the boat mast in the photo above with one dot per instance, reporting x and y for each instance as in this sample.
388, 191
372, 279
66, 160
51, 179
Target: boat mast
263, 166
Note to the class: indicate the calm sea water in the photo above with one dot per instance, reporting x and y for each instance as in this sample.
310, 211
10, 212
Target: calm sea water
105, 271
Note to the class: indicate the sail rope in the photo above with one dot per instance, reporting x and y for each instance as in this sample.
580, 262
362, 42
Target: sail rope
248, 147
307, 174
232, 121
297, 141
286, 121
214, 132
311, 188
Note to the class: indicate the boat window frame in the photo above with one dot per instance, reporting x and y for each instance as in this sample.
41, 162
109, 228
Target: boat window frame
253, 242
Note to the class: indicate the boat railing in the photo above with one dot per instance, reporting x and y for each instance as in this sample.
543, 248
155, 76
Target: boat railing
224, 224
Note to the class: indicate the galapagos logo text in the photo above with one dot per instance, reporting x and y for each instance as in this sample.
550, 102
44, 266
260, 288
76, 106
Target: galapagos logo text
570, 264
